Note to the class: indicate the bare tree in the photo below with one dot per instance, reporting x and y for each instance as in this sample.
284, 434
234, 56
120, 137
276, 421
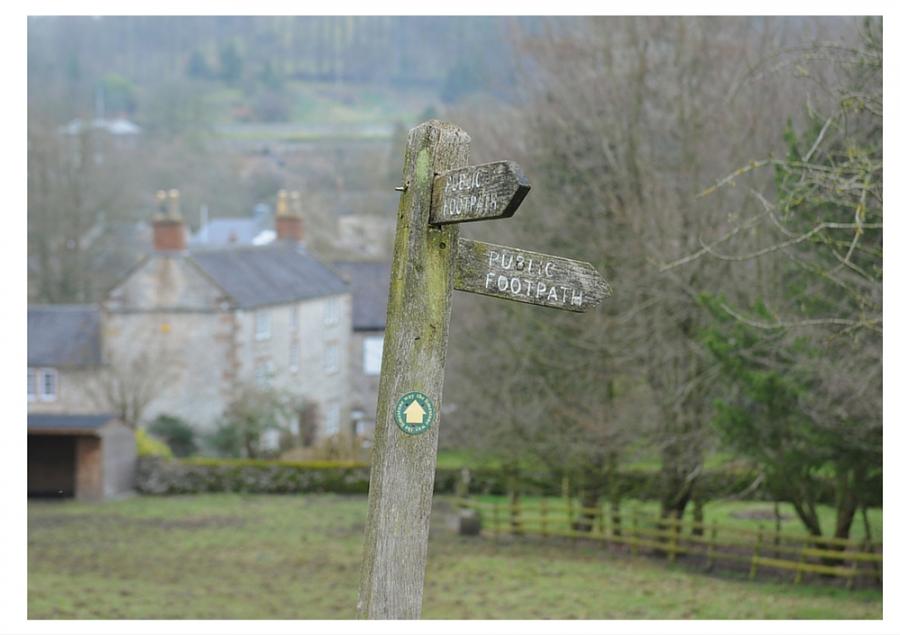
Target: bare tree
815, 358
130, 381
621, 124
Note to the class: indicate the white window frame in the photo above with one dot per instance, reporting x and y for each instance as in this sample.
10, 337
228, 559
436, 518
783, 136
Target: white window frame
332, 311
33, 382
371, 364
331, 358
294, 356
263, 325
42, 384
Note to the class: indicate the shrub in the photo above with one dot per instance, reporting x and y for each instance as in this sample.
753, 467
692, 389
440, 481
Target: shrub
177, 434
159, 476
148, 446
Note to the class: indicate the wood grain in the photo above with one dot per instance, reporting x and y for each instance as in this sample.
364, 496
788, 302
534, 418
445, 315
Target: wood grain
415, 346
478, 192
528, 276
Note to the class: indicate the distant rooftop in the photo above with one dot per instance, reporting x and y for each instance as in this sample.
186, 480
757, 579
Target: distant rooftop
369, 284
277, 273
64, 335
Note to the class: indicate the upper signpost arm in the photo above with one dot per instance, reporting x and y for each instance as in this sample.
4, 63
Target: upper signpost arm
478, 192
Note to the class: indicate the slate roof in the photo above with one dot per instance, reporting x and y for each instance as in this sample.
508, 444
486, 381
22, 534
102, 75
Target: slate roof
225, 231
369, 284
64, 335
46, 421
278, 273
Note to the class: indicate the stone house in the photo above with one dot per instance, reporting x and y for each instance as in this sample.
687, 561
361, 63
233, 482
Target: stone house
369, 284
205, 322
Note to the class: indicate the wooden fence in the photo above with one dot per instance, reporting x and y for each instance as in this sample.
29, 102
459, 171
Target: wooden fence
672, 537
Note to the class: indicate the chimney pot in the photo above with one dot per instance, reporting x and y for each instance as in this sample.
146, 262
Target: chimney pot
288, 222
168, 228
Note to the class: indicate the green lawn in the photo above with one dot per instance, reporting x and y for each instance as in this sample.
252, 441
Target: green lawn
297, 557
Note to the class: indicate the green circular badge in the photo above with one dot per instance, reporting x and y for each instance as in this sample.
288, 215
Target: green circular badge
414, 412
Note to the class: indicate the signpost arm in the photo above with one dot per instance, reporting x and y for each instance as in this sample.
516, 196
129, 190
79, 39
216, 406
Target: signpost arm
415, 346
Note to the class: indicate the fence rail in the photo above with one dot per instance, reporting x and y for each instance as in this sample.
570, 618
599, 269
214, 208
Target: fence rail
673, 537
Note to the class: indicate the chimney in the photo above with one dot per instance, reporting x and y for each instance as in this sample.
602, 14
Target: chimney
168, 227
288, 223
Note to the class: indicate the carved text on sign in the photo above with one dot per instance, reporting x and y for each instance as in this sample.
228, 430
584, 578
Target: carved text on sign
478, 192
528, 276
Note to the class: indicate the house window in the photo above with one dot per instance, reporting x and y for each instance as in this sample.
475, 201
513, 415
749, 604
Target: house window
332, 308
295, 318
331, 358
372, 355
32, 384
294, 356
332, 423
48, 381
263, 325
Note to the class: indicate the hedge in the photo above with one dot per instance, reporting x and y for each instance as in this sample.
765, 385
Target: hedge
158, 475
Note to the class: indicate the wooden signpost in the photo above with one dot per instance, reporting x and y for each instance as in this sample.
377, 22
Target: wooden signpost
430, 260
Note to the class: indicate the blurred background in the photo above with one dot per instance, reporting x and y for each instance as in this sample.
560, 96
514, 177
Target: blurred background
211, 206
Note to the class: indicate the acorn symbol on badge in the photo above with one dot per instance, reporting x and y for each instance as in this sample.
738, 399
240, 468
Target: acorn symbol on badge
414, 413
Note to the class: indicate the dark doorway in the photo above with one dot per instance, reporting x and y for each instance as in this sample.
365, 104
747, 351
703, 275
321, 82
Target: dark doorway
51, 466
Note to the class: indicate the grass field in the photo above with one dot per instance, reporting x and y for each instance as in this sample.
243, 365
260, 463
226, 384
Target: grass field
297, 557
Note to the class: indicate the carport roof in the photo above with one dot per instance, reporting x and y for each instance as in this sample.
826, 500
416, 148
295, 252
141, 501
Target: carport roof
63, 335
46, 421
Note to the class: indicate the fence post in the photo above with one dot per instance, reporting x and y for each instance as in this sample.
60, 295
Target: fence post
673, 538
544, 516
711, 546
855, 566
515, 523
462, 483
799, 575
496, 522
634, 533
777, 525
601, 522
756, 548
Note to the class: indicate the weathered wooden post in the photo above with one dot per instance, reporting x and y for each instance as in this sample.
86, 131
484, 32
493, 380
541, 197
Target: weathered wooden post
430, 260
415, 345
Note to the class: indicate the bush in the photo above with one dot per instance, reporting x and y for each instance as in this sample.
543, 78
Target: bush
177, 434
158, 475
148, 446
